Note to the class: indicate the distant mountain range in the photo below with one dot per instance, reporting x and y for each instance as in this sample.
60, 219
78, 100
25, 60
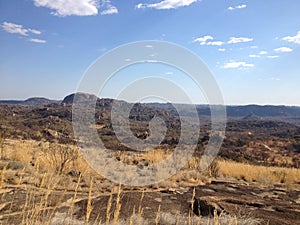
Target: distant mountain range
36, 101
247, 112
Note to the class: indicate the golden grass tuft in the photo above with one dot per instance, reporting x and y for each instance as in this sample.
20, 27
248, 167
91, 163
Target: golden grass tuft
260, 174
155, 155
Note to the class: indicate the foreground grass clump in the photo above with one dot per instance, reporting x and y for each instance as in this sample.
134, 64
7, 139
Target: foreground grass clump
261, 174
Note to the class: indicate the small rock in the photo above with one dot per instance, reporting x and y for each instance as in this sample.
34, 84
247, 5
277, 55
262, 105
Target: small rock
158, 199
204, 207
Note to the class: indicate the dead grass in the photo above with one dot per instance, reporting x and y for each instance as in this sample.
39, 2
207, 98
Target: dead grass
155, 155
37, 154
40, 207
261, 174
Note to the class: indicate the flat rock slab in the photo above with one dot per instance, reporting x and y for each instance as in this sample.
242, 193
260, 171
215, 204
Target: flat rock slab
274, 206
277, 205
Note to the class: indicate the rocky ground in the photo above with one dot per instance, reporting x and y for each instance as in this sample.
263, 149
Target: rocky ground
250, 203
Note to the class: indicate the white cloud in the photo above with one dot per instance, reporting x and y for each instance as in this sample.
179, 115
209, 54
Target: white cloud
241, 6
217, 43
70, 7
139, 6
77, 7
293, 39
221, 49
110, 10
263, 52
269, 79
166, 4
169, 73
35, 40
254, 56
237, 7
205, 40
234, 65
235, 40
18, 29
253, 47
34, 31
273, 56
202, 40
283, 49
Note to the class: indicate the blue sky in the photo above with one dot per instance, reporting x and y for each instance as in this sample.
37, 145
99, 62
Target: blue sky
252, 47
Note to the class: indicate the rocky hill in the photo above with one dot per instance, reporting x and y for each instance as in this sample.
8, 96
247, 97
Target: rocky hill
35, 101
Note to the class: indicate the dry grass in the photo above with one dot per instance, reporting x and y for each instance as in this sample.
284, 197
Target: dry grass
39, 206
261, 174
37, 154
40, 209
155, 155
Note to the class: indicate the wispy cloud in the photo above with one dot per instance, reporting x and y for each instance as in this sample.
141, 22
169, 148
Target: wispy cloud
108, 8
208, 40
35, 40
140, 6
269, 79
18, 29
221, 49
169, 73
263, 53
283, 49
273, 56
254, 56
203, 40
237, 7
234, 65
35, 31
166, 4
293, 39
235, 40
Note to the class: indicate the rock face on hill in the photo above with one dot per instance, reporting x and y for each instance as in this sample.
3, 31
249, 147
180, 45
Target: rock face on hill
81, 97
